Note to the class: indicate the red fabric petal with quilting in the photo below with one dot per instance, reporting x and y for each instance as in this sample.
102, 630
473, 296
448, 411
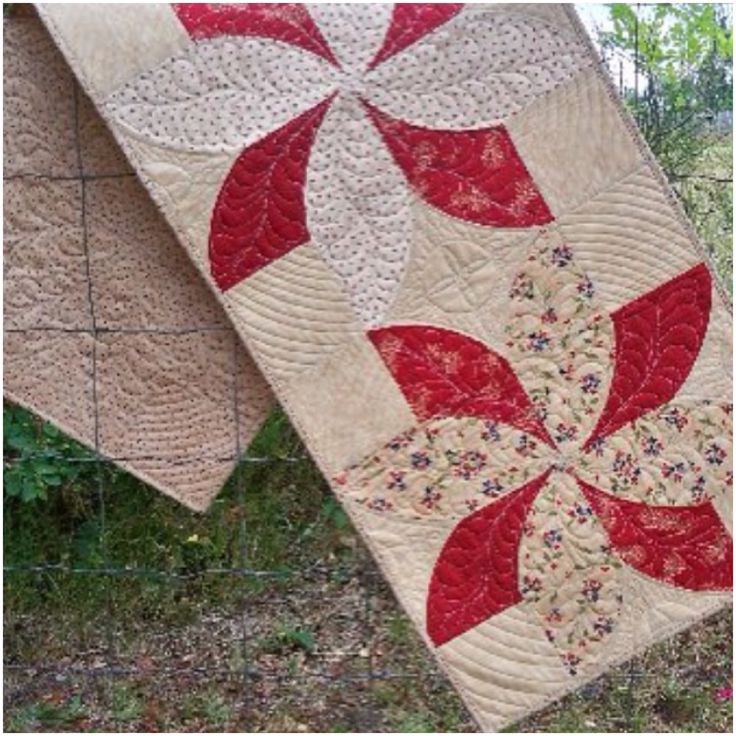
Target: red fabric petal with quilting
687, 546
476, 573
288, 22
411, 21
259, 214
443, 373
476, 175
657, 339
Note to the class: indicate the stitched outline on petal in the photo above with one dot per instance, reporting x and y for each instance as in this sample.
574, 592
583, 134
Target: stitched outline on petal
287, 22
259, 214
658, 337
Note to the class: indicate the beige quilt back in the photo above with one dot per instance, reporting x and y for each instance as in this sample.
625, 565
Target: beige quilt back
84, 242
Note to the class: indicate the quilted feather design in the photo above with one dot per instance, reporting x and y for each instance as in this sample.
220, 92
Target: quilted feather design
686, 546
288, 22
508, 60
476, 574
445, 468
567, 574
657, 338
476, 175
678, 454
445, 373
259, 214
411, 21
358, 209
204, 99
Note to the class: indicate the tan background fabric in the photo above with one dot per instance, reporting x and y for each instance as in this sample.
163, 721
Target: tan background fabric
343, 400
165, 358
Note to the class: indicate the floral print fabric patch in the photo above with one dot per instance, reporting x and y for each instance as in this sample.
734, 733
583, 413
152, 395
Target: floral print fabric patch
517, 465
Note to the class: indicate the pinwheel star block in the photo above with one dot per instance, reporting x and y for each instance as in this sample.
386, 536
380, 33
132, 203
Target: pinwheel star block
553, 538
469, 285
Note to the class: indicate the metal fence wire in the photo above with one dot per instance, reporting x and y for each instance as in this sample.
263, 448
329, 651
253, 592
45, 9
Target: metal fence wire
315, 645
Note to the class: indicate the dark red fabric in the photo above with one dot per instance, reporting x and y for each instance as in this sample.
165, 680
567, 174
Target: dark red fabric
476, 574
259, 214
687, 546
476, 175
443, 373
657, 339
411, 21
288, 22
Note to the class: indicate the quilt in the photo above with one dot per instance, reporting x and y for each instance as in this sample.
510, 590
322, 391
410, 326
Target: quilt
460, 269
161, 356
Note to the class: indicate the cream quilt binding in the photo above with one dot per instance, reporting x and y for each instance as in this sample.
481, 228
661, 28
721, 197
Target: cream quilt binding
499, 680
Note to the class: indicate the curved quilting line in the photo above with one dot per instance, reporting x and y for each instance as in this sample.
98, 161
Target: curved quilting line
205, 20
305, 324
621, 261
514, 644
407, 26
554, 694
610, 418
497, 566
632, 201
478, 660
256, 244
523, 411
284, 341
479, 657
395, 133
317, 319
595, 229
633, 187
579, 60
624, 277
367, 246
135, 108
311, 317
620, 526
302, 294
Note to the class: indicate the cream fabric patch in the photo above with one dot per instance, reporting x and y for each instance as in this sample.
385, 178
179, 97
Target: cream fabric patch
444, 263
166, 360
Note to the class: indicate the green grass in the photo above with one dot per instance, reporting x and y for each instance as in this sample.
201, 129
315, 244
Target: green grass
286, 520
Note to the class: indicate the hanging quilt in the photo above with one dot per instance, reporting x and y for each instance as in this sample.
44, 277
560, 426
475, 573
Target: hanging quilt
457, 264
164, 361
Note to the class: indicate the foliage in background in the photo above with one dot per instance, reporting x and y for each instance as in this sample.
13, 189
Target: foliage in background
681, 97
37, 457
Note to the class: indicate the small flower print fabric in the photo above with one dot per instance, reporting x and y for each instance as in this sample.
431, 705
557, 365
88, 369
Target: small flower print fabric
466, 280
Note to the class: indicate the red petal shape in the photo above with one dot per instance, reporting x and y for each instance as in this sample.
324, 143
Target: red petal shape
411, 21
443, 373
259, 214
657, 339
476, 175
687, 546
288, 22
476, 573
